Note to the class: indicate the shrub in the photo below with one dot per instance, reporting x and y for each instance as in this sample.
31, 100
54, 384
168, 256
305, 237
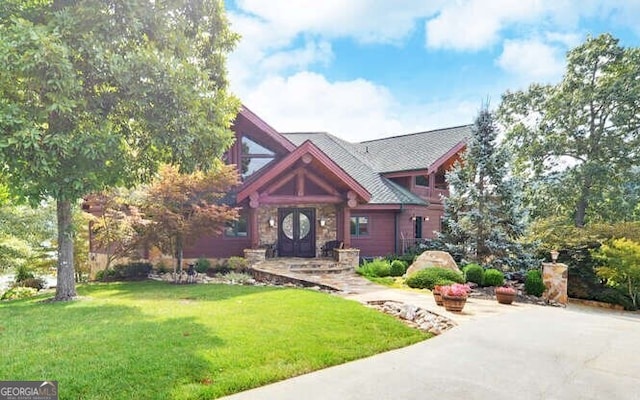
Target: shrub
130, 271
493, 277
474, 273
619, 264
377, 268
238, 264
23, 273
398, 268
429, 277
533, 284
36, 283
202, 265
162, 268
18, 292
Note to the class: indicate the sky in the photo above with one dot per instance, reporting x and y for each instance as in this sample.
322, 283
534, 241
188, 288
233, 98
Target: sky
366, 69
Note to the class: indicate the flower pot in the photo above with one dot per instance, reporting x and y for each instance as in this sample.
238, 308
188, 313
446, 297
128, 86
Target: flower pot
505, 298
453, 303
437, 296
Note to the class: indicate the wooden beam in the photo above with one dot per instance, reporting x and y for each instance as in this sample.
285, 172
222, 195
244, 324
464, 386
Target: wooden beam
346, 227
300, 183
254, 230
301, 200
321, 183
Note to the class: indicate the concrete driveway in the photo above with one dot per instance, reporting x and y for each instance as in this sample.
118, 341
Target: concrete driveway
540, 353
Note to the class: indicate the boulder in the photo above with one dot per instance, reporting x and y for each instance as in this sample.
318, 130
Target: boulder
433, 258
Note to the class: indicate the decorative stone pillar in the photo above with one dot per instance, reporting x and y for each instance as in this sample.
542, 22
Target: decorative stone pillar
347, 257
254, 256
555, 277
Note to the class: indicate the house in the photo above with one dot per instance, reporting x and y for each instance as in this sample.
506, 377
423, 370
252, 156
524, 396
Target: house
300, 190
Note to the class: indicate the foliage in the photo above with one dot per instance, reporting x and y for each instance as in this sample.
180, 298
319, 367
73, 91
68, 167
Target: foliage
123, 272
379, 268
198, 341
97, 94
36, 283
474, 273
533, 283
575, 142
18, 292
429, 277
455, 290
619, 262
576, 246
183, 207
493, 277
483, 217
238, 264
202, 265
116, 224
398, 268
26, 235
23, 272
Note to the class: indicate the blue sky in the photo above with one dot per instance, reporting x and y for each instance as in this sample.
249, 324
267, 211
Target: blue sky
364, 69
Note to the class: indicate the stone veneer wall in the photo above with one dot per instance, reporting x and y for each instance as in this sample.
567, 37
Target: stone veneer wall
555, 278
269, 235
350, 257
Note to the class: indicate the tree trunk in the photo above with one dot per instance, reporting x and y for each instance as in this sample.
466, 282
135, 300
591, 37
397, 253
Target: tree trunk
66, 285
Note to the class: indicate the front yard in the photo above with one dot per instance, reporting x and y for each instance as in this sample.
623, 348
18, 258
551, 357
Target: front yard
151, 340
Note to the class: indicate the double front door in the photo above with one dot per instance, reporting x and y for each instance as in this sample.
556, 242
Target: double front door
297, 232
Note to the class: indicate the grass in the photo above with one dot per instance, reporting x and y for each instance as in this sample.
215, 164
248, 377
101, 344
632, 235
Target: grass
151, 340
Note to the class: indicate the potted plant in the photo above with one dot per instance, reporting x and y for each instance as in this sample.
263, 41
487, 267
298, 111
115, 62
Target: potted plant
505, 294
454, 297
437, 294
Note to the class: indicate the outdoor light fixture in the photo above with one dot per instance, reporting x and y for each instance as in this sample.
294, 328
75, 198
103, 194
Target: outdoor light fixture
554, 255
272, 222
322, 221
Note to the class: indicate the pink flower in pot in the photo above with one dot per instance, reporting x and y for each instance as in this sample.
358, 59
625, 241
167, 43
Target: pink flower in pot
456, 290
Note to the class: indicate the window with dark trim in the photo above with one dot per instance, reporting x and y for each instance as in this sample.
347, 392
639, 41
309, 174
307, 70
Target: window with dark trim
237, 228
359, 226
422, 180
253, 157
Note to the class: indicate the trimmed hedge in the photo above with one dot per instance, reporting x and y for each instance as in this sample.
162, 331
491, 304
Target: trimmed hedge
474, 273
429, 277
378, 268
533, 284
398, 268
493, 277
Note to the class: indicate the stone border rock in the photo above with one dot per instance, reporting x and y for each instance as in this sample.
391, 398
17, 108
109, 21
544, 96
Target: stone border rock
414, 316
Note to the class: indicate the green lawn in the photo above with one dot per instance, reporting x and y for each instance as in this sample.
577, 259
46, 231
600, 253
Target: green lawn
151, 340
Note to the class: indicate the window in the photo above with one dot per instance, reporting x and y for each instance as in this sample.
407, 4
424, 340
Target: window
359, 226
253, 157
237, 228
422, 180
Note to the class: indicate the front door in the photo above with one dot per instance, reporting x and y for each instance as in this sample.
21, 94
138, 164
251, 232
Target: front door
297, 232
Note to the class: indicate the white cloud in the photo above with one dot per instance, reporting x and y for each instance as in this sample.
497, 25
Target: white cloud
364, 20
532, 60
476, 24
354, 110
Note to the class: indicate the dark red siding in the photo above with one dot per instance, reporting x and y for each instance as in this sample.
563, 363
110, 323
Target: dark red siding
380, 241
218, 247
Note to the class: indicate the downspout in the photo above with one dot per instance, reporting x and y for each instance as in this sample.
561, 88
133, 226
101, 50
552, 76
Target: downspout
395, 229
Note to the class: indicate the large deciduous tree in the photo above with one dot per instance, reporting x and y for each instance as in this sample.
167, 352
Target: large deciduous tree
483, 214
181, 208
579, 140
98, 93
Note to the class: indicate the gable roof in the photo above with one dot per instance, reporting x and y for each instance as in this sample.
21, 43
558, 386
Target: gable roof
263, 132
306, 148
416, 151
355, 164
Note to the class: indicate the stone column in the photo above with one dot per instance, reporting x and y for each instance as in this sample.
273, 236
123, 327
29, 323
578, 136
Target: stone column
254, 256
555, 277
348, 257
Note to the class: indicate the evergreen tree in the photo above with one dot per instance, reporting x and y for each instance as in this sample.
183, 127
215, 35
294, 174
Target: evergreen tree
483, 214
